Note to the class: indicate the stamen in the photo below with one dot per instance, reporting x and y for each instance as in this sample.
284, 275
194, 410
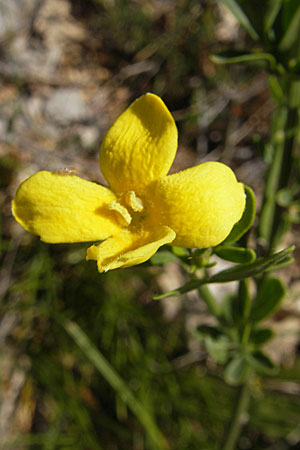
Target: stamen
133, 201
123, 213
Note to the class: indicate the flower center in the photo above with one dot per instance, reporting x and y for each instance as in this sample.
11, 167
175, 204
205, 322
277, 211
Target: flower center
126, 207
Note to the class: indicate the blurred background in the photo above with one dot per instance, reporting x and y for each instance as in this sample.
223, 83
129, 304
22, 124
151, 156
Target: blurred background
68, 68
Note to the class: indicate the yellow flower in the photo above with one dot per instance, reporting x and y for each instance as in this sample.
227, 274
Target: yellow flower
144, 208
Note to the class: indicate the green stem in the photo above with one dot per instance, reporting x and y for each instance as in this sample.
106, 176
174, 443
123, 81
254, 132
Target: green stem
246, 333
266, 220
243, 395
236, 422
279, 222
209, 300
116, 382
273, 222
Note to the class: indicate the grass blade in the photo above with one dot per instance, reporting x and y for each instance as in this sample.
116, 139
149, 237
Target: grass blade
292, 33
116, 382
240, 16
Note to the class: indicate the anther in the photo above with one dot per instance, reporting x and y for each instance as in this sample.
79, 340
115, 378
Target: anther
124, 215
133, 201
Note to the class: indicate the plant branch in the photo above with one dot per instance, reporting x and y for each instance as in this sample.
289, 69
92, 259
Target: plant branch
273, 222
231, 436
209, 300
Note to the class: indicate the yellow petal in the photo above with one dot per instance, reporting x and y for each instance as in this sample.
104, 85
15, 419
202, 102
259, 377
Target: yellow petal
64, 208
200, 204
140, 146
128, 249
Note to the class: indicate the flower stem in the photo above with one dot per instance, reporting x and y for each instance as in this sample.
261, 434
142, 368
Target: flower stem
232, 435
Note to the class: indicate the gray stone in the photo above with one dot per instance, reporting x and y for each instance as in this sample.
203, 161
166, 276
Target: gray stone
67, 106
89, 136
14, 14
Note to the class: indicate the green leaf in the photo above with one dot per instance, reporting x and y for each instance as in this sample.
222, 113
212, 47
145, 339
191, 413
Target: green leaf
179, 251
217, 347
162, 257
237, 371
243, 225
271, 12
203, 331
268, 299
278, 95
236, 254
285, 262
240, 16
226, 309
291, 34
244, 57
241, 271
235, 273
261, 362
261, 14
261, 335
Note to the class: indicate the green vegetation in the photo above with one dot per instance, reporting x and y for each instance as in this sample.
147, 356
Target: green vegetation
102, 365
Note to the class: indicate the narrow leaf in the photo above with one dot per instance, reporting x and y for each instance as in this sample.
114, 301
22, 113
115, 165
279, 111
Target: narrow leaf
261, 14
236, 254
272, 10
249, 270
268, 299
190, 286
237, 272
284, 262
291, 34
241, 17
278, 94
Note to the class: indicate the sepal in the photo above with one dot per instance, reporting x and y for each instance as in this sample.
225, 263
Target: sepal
243, 225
